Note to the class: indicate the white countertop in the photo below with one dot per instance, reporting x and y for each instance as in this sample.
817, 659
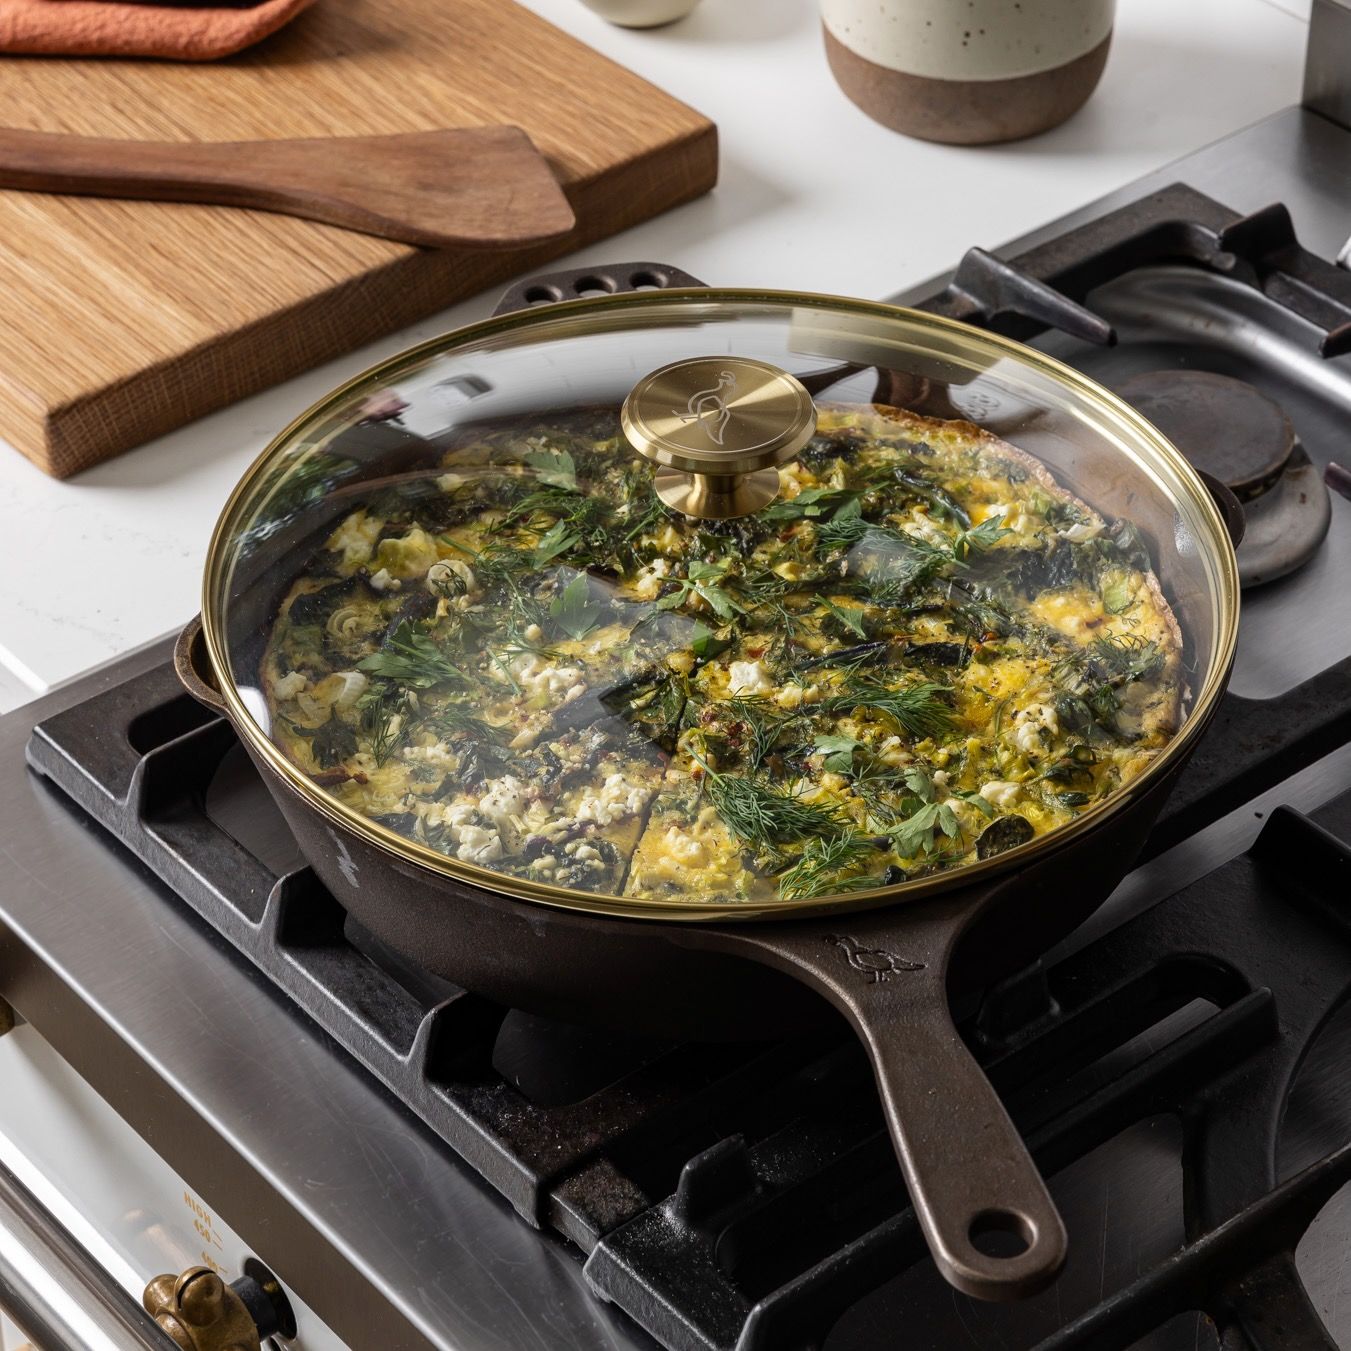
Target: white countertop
813, 195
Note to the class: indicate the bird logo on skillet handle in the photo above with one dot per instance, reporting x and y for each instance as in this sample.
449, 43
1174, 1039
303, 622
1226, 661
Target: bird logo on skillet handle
709, 407
875, 964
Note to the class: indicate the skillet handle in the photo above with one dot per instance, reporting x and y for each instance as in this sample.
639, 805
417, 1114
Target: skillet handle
550, 287
970, 1177
191, 665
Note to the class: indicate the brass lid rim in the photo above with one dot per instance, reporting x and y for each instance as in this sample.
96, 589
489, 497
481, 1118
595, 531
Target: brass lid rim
694, 911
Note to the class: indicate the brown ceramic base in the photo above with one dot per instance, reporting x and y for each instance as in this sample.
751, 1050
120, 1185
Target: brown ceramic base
966, 112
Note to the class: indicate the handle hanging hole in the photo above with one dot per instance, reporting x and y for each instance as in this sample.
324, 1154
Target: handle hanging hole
1001, 1233
543, 295
595, 286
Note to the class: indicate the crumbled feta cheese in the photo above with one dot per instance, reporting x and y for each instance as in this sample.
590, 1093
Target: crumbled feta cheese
438, 754
668, 539
893, 751
291, 684
682, 848
533, 633
479, 844
539, 676
748, 677
1030, 723
648, 579
382, 581
999, 793
506, 797
459, 814
616, 799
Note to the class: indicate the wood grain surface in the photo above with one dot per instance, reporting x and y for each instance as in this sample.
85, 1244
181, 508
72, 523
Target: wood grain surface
126, 319
461, 187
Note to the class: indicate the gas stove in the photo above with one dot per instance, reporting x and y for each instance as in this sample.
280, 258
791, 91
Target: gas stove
420, 1169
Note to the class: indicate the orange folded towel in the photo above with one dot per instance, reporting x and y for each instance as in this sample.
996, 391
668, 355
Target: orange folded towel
99, 28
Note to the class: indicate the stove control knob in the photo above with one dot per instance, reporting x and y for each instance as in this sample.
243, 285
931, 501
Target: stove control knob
199, 1312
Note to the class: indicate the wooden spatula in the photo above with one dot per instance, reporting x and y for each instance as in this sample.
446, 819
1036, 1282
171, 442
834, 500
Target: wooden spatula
474, 187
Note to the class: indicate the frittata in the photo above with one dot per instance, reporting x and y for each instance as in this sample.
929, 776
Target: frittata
923, 653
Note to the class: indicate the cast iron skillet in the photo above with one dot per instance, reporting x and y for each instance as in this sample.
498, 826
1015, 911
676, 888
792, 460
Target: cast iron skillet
983, 1207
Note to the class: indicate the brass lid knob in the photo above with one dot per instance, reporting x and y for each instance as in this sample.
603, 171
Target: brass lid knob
719, 426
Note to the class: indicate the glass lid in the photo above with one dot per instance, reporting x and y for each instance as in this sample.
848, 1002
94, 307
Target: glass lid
719, 602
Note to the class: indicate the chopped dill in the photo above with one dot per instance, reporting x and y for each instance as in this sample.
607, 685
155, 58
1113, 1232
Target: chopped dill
917, 710
818, 869
764, 724
385, 716
762, 815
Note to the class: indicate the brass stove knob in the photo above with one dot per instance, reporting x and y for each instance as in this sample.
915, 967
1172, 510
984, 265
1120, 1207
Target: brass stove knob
719, 426
199, 1312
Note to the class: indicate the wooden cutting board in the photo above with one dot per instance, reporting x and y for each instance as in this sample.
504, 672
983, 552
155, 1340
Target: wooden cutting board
122, 320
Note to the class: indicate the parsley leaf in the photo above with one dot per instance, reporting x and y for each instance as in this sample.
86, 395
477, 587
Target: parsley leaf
414, 659
703, 581
982, 805
811, 503
915, 835
851, 618
979, 537
704, 643
554, 467
558, 539
839, 752
574, 611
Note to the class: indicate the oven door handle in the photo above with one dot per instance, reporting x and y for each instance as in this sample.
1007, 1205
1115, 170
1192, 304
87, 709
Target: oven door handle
55, 1292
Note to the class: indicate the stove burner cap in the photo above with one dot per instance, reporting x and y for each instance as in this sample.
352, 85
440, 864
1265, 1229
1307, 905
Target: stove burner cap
1239, 436
1222, 425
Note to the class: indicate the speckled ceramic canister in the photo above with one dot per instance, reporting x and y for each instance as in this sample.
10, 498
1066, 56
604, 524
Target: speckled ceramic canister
968, 71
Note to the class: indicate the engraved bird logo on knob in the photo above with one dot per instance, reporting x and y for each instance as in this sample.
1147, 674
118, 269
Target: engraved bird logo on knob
709, 407
874, 963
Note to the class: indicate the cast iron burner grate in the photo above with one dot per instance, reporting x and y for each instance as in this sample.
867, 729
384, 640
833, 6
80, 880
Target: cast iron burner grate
745, 1196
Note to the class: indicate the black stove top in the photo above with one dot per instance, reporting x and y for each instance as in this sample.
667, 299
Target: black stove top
1177, 1066
745, 1195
